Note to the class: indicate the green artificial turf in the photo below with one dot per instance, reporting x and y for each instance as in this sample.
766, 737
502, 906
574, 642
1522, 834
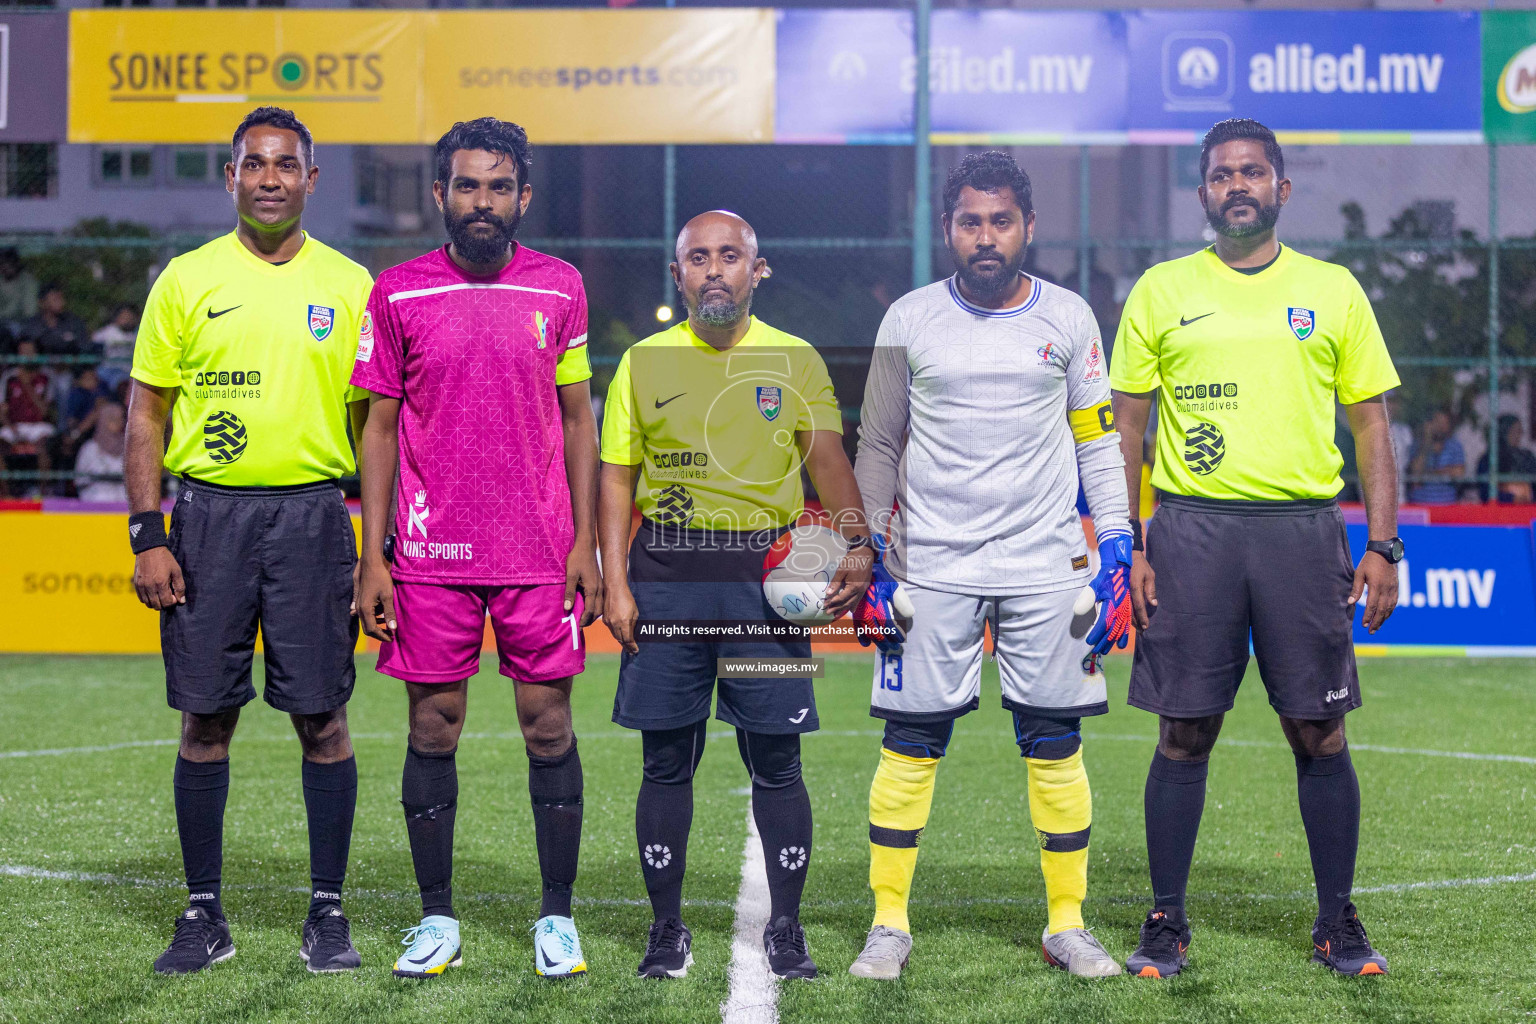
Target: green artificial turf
79, 944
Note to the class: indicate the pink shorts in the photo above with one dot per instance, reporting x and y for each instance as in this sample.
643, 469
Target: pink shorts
440, 630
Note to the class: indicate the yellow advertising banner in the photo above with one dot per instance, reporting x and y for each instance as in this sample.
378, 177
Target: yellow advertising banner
381, 77
189, 76
605, 76
66, 587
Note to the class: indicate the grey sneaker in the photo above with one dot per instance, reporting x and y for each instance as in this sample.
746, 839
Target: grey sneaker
1078, 953
885, 954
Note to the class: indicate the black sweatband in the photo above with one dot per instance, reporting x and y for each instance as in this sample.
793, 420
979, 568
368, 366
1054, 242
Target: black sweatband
1136, 542
146, 530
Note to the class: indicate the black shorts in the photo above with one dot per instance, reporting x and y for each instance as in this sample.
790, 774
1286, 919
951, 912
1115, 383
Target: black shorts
695, 575
278, 557
1278, 571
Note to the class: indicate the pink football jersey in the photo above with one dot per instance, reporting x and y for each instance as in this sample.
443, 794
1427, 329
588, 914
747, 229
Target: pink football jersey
483, 496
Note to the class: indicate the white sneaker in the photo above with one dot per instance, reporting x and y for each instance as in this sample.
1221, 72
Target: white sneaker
1078, 953
886, 952
556, 948
432, 948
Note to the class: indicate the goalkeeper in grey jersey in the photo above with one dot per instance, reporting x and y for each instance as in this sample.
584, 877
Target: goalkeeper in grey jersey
987, 403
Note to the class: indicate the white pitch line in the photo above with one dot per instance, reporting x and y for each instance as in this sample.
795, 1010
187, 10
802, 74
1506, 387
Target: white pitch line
62, 751
755, 945
614, 734
754, 996
1461, 755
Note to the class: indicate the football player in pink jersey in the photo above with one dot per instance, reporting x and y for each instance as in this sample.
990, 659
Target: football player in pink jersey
475, 356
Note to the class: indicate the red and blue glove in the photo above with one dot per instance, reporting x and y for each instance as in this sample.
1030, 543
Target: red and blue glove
1112, 588
879, 615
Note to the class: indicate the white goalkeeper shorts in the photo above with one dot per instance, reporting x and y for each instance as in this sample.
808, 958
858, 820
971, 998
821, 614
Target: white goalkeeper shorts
1038, 649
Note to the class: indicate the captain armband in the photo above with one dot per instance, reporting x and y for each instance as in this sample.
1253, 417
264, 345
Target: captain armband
1091, 424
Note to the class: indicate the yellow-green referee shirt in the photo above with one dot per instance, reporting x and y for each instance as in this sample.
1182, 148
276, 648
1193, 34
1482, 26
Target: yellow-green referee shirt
1246, 367
714, 432
262, 355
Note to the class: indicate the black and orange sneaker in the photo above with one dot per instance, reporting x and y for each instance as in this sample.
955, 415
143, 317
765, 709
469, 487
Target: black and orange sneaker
1161, 952
1341, 945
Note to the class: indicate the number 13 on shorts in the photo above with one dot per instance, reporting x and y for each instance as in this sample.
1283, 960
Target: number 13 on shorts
890, 672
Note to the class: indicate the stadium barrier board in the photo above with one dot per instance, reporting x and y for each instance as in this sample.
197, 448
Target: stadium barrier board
66, 587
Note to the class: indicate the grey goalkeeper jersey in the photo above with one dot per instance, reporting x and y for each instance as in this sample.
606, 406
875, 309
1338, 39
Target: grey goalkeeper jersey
977, 426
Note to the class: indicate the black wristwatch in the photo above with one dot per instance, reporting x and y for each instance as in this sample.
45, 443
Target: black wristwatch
1391, 550
860, 541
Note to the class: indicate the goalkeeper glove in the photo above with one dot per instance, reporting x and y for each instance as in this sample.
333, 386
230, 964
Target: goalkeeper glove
1112, 588
885, 604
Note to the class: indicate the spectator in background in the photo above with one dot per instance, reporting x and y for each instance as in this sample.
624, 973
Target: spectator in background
18, 291
26, 413
102, 455
1514, 460
57, 331
1438, 460
1402, 441
115, 343
86, 396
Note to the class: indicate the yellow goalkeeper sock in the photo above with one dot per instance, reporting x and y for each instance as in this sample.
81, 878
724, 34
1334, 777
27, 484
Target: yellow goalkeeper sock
899, 801
1061, 807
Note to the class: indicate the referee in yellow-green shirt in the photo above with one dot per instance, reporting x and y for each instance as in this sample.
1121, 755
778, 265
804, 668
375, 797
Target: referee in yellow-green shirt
247, 345
1247, 345
706, 430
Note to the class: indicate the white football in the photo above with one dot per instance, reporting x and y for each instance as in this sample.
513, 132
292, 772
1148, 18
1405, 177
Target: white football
797, 569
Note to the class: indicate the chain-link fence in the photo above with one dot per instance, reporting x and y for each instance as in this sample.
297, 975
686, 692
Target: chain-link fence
836, 225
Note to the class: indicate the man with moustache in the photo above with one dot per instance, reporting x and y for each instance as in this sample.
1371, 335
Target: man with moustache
1248, 345
707, 427
246, 345
475, 357
987, 403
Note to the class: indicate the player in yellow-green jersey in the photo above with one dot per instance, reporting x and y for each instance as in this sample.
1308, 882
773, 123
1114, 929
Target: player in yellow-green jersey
247, 346
706, 428
1247, 346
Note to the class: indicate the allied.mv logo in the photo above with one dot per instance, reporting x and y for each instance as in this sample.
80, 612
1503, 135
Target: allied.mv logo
1204, 448
224, 437
321, 320
417, 514
1303, 322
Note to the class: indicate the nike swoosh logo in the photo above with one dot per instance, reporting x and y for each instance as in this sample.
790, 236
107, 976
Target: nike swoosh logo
429, 956
1202, 316
660, 403
214, 316
549, 964
213, 947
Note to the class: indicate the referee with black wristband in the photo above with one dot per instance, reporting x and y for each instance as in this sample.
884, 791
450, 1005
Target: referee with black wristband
247, 344
1249, 347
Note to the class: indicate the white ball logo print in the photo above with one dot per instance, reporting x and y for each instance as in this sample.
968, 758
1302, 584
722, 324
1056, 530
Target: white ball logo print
792, 857
657, 855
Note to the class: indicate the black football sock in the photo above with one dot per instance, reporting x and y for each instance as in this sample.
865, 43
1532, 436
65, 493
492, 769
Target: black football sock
1173, 803
1329, 794
429, 789
554, 786
781, 809
783, 817
201, 789
663, 816
330, 803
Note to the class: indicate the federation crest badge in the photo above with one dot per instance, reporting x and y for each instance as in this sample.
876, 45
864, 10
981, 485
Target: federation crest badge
769, 401
538, 326
321, 320
1303, 322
